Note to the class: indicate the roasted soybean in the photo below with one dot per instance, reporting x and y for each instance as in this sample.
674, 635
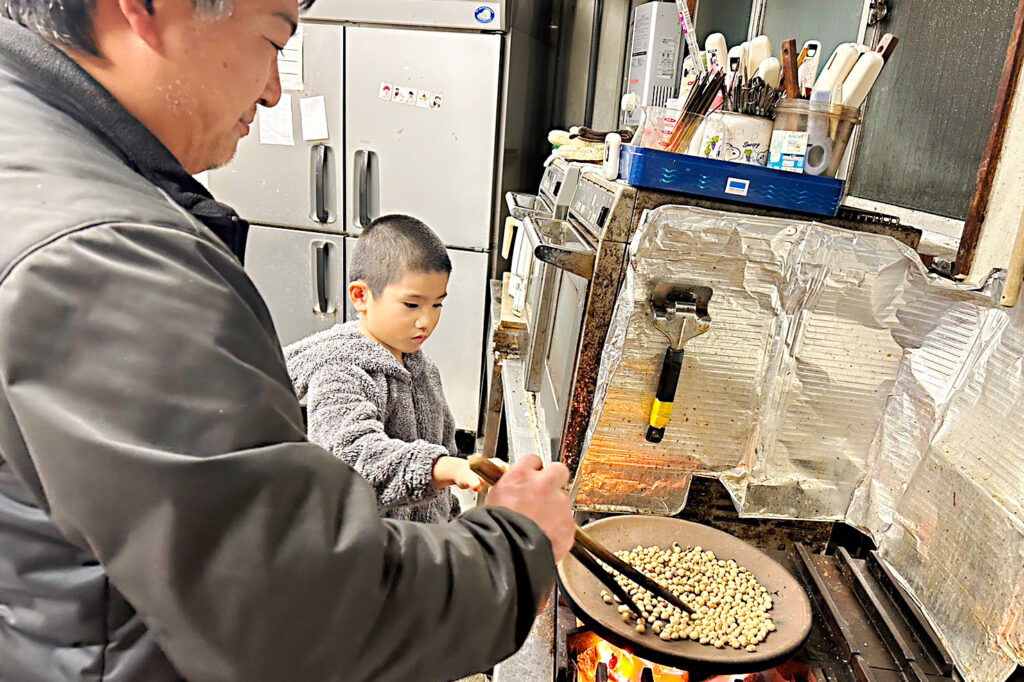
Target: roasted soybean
730, 607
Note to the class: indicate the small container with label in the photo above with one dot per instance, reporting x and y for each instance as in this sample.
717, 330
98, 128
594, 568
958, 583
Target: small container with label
811, 137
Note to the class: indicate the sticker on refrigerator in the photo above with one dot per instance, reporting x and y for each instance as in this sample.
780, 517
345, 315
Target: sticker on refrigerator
314, 118
423, 99
289, 63
484, 15
436, 101
788, 151
404, 95
386, 89
276, 123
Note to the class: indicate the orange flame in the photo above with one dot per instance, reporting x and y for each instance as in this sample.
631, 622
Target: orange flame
623, 666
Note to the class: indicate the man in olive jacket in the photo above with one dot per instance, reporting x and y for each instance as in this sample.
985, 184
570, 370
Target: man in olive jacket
162, 516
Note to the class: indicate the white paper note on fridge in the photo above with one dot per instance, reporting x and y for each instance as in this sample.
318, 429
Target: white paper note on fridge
314, 118
276, 123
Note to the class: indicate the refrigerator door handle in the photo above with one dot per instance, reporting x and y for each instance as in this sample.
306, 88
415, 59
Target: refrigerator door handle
320, 213
322, 301
362, 188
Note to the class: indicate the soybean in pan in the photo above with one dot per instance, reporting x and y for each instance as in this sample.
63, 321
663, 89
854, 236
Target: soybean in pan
791, 608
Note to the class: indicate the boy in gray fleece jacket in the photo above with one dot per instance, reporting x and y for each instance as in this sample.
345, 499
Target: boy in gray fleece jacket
372, 398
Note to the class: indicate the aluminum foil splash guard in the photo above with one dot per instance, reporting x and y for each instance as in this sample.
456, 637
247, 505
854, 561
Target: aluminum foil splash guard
838, 381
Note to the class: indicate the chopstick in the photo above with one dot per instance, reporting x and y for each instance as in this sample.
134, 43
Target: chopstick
585, 546
606, 578
698, 102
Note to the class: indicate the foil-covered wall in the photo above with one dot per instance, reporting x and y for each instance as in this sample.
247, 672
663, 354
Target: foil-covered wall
839, 381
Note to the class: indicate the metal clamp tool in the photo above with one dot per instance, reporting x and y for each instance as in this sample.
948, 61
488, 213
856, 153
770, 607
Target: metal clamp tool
681, 313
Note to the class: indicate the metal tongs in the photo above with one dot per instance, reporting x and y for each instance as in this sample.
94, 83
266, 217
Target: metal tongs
591, 553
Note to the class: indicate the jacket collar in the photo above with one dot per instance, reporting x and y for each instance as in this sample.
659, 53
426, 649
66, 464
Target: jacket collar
60, 82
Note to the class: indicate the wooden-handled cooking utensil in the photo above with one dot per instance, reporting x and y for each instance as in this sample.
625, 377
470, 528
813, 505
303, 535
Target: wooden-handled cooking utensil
681, 313
790, 77
591, 553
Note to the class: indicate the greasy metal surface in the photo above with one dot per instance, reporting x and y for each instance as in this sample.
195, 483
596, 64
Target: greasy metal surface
627, 207
611, 237
616, 221
881, 638
931, 642
840, 381
792, 612
524, 428
604, 286
709, 504
498, 349
906, 638
577, 262
680, 311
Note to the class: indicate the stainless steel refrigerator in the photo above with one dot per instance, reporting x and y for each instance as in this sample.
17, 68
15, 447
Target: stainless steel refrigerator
424, 107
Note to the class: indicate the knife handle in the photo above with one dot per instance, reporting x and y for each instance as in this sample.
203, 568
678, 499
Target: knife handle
887, 45
791, 81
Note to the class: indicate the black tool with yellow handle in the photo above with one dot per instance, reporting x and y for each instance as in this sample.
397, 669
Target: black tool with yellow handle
681, 313
661, 411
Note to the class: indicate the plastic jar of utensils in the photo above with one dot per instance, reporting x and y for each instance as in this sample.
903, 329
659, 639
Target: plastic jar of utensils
811, 137
731, 136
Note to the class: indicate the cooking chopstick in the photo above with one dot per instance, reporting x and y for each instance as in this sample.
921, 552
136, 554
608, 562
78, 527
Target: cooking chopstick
586, 545
606, 578
628, 570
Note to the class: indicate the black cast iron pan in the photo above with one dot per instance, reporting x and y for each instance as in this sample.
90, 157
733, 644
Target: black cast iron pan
791, 612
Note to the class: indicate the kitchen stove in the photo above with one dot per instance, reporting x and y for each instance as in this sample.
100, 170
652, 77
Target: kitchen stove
866, 627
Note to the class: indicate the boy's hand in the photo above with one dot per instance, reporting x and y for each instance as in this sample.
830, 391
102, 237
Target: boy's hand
455, 471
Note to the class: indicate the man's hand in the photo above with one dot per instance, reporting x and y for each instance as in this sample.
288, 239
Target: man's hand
455, 471
535, 491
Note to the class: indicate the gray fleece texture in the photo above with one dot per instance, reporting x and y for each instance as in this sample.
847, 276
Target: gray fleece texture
389, 422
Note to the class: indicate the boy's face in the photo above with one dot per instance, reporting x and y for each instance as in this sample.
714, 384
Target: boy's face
404, 315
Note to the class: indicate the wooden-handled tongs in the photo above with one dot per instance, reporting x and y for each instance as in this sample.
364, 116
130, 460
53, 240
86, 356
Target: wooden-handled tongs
589, 551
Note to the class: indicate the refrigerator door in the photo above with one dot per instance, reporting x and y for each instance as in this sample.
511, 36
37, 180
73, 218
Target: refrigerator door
433, 157
457, 344
300, 185
301, 276
465, 14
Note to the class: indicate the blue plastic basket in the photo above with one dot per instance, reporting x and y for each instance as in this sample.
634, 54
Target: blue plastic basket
739, 182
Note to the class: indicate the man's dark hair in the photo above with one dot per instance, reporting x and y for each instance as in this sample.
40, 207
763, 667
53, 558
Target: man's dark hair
68, 23
393, 246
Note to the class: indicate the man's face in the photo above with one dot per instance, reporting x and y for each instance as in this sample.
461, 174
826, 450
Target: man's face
404, 315
216, 71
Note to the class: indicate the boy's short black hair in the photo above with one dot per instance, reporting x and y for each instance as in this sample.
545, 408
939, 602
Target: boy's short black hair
393, 246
